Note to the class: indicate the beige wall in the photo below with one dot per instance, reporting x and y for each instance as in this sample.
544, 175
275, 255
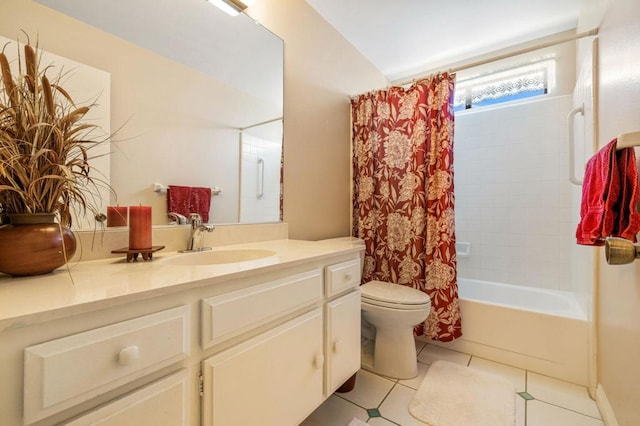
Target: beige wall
321, 71
618, 297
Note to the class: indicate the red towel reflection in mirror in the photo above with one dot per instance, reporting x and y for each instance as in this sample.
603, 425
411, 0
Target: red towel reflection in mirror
187, 199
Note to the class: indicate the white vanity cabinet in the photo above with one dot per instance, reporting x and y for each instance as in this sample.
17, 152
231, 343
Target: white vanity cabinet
262, 345
279, 377
342, 323
277, 373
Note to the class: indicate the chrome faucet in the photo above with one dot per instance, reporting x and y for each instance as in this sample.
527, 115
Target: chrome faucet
177, 218
197, 234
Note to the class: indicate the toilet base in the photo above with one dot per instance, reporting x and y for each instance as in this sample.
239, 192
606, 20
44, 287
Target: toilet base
395, 353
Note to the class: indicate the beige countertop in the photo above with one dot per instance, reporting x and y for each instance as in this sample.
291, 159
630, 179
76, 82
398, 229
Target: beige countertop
99, 283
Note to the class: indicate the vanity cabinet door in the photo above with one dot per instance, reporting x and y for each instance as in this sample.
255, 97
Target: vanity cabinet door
342, 340
162, 403
274, 379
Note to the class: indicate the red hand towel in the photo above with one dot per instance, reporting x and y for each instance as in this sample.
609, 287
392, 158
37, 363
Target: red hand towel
629, 218
609, 197
200, 202
178, 199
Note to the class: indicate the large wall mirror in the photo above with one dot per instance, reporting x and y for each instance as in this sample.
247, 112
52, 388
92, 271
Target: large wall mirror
196, 97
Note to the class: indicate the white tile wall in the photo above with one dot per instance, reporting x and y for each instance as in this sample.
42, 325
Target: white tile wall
513, 197
267, 208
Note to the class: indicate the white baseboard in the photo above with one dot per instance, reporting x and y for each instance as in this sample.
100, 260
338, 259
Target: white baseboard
605, 408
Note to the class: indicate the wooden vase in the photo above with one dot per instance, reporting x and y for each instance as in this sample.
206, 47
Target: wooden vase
34, 245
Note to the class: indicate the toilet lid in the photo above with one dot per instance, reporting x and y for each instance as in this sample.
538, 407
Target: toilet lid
393, 294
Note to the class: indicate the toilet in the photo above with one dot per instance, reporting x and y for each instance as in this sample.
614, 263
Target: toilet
389, 314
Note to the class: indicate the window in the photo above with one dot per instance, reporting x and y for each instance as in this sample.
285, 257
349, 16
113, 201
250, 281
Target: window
504, 86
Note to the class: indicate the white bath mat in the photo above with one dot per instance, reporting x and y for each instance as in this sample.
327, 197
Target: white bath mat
453, 395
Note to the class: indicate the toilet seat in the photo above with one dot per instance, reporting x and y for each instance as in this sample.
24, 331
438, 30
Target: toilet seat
384, 294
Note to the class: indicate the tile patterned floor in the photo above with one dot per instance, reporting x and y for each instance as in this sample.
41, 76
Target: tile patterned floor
381, 401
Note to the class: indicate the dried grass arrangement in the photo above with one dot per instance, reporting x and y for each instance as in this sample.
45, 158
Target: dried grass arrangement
44, 144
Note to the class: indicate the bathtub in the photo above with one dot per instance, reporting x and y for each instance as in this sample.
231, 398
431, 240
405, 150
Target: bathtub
539, 330
551, 302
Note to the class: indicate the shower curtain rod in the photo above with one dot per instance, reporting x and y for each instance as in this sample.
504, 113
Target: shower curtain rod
543, 45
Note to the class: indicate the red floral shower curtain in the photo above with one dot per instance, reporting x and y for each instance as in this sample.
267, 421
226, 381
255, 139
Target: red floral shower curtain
403, 203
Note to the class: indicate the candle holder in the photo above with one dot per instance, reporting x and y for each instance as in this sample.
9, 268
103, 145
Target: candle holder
132, 254
140, 235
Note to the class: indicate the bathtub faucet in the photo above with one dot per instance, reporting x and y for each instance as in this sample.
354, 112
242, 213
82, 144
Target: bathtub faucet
197, 234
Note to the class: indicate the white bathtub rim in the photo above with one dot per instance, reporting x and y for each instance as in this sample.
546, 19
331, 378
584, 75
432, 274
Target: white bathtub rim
575, 310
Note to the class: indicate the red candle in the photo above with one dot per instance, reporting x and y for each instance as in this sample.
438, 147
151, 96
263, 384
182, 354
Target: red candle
139, 227
117, 215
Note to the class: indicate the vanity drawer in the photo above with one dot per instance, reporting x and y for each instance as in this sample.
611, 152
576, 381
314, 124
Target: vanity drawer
165, 402
342, 276
65, 372
232, 314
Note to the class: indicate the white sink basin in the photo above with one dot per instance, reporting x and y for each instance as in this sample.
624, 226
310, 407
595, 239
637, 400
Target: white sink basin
217, 257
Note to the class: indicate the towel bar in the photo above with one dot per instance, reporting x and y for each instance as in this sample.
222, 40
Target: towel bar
162, 189
628, 140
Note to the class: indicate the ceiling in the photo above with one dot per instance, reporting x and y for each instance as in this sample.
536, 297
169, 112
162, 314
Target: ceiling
406, 37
